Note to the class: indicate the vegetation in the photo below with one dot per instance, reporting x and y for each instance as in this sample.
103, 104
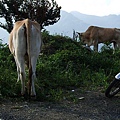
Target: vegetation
63, 65
45, 12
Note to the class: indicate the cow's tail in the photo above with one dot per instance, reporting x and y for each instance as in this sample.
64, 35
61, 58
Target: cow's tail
28, 32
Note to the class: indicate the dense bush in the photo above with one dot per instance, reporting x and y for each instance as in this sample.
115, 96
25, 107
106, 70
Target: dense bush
62, 65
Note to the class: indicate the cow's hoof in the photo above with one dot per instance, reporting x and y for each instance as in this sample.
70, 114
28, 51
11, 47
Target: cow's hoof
33, 97
25, 95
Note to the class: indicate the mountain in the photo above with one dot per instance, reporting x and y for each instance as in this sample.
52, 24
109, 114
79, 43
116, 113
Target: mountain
66, 24
4, 35
75, 21
80, 22
110, 21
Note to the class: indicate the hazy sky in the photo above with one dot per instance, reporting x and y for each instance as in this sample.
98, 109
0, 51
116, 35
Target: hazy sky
92, 7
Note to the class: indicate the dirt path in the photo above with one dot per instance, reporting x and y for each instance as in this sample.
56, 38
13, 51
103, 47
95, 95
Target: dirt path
90, 106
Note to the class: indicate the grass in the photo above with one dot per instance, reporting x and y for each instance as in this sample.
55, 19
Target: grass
63, 65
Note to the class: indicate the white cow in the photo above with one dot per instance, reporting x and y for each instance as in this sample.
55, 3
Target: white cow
25, 44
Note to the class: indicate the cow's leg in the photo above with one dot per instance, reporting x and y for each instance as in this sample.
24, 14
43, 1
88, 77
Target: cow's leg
96, 46
118, 45
33, 64
114, 47
18, 70
20, 51
21, 72
34, 53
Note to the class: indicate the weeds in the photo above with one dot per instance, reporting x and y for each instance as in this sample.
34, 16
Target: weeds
63, 65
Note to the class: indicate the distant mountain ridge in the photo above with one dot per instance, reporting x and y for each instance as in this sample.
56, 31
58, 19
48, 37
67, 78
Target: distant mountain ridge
4, 35
104, 21
80, 22
75, 21
66, 24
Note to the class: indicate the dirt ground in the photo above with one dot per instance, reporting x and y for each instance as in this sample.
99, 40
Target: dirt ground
90, 105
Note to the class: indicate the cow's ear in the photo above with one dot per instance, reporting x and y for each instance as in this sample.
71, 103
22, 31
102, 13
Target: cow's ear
78, 33
81, 34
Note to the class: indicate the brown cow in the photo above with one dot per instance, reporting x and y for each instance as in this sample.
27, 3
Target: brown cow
95, 35
25, 44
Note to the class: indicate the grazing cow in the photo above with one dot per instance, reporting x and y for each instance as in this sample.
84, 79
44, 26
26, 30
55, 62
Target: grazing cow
95, 35
25, 45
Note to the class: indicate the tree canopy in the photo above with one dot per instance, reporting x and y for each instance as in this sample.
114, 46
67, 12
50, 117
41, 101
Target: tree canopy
45, 12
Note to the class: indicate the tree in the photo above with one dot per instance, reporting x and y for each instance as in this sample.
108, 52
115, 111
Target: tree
43, 11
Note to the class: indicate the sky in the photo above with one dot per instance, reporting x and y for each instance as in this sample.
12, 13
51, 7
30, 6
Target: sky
91, 7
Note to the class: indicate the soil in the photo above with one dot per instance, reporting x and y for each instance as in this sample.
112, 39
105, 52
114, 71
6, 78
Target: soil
89, 105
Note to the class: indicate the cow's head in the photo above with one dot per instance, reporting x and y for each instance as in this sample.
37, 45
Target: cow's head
85, 38
82, 38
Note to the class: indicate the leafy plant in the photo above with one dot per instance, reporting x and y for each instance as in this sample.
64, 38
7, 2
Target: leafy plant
63, 65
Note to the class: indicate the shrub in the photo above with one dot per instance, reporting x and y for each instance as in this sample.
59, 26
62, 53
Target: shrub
63, 65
